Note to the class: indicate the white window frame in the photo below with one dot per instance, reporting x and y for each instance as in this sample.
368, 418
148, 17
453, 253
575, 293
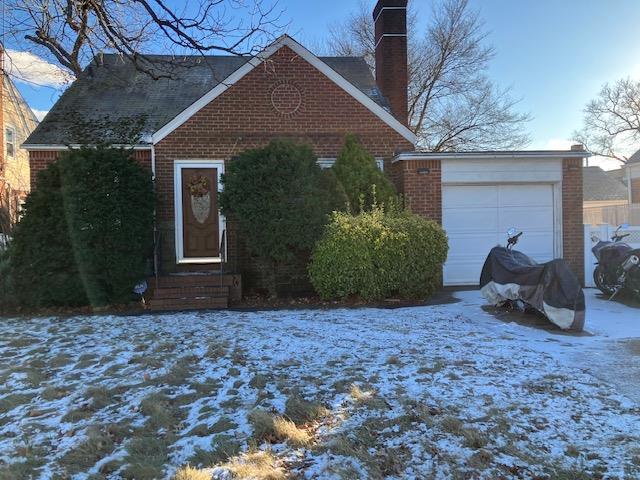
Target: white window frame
329, 162
6, 141
178, 166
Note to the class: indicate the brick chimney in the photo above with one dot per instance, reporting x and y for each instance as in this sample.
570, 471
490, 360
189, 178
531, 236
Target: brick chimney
390, 19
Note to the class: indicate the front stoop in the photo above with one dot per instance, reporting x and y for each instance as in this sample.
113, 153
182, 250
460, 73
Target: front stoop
194, 291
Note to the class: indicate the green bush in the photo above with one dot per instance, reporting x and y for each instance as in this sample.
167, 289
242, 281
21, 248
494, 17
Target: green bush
364, 183
378, 254
280, 198
86, 233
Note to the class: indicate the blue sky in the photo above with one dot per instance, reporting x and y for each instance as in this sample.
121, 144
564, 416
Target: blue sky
554, 54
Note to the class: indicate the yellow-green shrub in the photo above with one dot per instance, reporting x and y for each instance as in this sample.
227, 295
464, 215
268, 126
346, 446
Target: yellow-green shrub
378, 254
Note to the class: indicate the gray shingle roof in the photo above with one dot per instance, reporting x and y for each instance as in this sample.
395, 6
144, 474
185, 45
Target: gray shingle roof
112, 93
599, 185
635, 158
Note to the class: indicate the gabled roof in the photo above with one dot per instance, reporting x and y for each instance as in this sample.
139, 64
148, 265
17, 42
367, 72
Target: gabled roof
111, 90
598, 185
635, 158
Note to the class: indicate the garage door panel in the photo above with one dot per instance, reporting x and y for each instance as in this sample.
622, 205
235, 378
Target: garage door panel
536, 245
475, 195
463, 273
535, 219
477, 217
525, 195
471, 245
471, 219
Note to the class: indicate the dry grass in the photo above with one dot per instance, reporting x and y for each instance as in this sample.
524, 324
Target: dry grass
190, 473
14, 400
451, 425
394, 360
367, 398
226, 446
301, 411
255, 466
277, 429
481, 459
474, 438
288, 431
258, 381
97, 446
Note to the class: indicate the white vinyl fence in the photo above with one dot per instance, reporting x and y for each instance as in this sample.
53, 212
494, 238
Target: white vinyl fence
604, 232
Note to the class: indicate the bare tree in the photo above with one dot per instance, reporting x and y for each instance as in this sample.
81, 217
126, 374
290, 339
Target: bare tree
612, 121
452, 103
70, 33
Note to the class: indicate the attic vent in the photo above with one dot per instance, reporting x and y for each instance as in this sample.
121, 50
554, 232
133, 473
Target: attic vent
286, 98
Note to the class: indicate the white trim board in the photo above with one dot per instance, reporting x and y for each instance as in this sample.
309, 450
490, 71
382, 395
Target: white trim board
178, 165
306, 55
387, 8
387, 35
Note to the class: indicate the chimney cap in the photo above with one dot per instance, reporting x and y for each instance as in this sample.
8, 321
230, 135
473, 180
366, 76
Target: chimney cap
388, 4
577, 147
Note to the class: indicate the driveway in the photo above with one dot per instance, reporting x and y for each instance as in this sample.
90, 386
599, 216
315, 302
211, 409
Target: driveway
444, 391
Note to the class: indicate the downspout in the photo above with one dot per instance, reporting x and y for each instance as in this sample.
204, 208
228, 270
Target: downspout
155, 223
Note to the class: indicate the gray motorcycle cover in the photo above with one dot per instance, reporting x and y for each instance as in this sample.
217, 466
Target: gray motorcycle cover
551, 288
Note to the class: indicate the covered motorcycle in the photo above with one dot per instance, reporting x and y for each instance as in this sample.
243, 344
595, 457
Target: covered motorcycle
551, 288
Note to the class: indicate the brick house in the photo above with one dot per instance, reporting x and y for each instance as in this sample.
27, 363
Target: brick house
17, 121
218, 106
632, 170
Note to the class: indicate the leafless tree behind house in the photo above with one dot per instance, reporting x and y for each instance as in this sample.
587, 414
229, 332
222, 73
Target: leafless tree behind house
612, 121
70, 33
452, 103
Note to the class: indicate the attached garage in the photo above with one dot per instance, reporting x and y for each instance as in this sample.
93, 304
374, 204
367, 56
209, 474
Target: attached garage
476, 218
478, 196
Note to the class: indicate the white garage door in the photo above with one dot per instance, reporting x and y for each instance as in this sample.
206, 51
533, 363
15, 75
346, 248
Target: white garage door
476, 218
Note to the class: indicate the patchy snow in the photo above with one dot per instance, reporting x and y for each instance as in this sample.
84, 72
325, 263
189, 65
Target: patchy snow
445, 391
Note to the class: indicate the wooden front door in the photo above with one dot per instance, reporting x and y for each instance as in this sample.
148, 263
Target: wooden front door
200, 218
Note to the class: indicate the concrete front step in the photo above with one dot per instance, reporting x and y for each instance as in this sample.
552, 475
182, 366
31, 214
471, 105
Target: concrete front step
194, 303
192, 291
207, 279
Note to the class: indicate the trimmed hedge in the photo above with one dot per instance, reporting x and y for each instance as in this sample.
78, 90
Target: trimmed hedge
86, 235
364, 183
379, 254
281, 198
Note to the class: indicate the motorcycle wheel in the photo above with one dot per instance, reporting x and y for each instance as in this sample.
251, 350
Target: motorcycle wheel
599, 280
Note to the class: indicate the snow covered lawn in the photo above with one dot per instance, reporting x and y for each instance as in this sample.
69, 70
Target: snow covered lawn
446, 391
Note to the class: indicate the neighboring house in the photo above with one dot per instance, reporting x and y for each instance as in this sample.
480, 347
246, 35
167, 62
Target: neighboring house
218, 106
17, 121
633, 177
602, 193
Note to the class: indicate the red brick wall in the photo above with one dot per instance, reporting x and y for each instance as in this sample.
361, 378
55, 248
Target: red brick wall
245, 117
40, 159
421, 191
572, 228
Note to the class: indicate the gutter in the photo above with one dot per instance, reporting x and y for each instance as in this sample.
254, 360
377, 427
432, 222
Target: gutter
515, 155
57, 147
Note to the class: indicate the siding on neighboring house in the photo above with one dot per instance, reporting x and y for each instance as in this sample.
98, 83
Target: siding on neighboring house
18, 121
